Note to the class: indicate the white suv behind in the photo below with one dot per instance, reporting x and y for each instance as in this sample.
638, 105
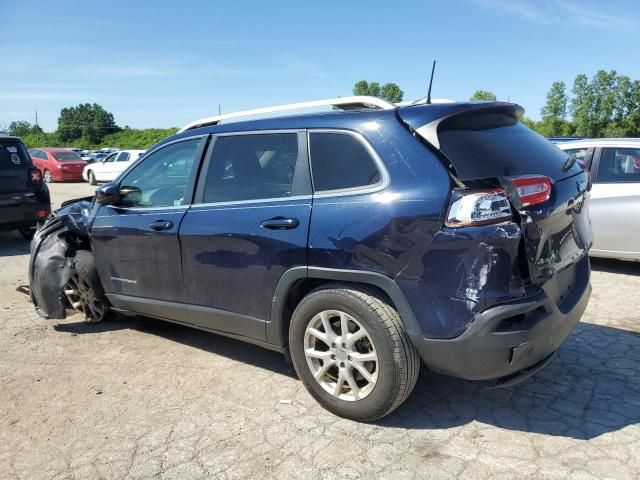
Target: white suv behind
108, 169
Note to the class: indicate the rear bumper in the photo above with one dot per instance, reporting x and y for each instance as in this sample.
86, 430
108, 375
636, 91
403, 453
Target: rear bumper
23, 216
507, 339
24, 209
68, 177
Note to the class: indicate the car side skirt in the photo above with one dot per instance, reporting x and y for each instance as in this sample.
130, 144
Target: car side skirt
208, 319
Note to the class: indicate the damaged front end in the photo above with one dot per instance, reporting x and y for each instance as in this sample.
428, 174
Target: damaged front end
53, 252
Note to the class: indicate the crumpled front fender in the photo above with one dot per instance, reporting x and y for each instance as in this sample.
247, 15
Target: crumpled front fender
53, 250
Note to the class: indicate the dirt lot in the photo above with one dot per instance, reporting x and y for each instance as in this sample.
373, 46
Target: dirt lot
142, 399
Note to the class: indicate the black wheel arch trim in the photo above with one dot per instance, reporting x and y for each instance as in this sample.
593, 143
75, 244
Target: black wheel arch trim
278, 334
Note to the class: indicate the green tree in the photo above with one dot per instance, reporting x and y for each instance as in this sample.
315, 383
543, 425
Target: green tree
597, 103
89, 122
554, 112
483, 96
22, 128
389, 91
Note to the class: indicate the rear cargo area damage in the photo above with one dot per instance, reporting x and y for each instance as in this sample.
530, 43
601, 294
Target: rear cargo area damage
53, 251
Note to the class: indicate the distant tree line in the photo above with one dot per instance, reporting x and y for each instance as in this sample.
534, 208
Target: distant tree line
87, 126
607, 105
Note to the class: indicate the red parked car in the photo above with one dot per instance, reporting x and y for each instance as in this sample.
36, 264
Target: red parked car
58, 164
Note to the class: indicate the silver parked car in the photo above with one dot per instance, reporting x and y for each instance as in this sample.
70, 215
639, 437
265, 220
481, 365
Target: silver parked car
615, 198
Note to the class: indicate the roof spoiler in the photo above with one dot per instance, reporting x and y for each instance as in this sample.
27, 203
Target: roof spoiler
425, 119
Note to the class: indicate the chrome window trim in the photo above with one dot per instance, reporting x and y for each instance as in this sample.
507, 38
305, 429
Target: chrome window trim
245, 202
271, 131
385, 178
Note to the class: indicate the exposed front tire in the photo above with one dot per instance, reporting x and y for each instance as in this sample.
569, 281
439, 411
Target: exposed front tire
351, 352
92, 178
48, 178
84, 291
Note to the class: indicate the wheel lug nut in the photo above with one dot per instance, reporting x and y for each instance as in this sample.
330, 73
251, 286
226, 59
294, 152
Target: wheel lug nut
348, 357
333, 357
342, 364
344, 345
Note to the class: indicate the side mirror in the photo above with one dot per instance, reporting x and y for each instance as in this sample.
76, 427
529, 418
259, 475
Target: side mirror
108, 194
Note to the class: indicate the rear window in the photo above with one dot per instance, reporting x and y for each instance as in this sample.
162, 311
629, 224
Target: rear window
340, 161
66, 156
488, 145
619, 165
13, 155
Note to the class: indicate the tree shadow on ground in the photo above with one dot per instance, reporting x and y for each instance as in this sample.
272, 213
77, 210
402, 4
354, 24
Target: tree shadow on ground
592, 387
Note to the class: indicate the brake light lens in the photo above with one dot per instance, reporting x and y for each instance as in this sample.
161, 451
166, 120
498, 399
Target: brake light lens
35, 176
532, 190
478, 208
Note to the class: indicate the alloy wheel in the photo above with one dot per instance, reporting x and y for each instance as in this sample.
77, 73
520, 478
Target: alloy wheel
83, 299
341, 355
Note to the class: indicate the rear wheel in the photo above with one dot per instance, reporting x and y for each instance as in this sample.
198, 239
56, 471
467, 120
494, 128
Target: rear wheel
350, 350
84, 291
92, 178
47, 176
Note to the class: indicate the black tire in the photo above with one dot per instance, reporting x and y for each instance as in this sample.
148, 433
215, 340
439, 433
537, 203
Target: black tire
84, 290
398, 363
92, 178
27, 232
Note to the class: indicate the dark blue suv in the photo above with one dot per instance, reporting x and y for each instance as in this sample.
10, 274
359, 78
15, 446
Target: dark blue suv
359, 242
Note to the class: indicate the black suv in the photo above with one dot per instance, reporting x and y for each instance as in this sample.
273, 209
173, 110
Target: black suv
24, 198
359, 242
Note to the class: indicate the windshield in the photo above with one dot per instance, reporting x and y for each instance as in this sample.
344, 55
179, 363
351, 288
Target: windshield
66, 156
13, 155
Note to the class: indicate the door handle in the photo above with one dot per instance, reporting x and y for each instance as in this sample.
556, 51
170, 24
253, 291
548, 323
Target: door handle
280, 223
161, 225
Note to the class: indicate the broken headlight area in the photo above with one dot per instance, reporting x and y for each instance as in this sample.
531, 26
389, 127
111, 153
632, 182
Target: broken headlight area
53, 251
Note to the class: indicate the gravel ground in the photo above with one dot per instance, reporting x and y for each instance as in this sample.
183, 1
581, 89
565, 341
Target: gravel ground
143, 398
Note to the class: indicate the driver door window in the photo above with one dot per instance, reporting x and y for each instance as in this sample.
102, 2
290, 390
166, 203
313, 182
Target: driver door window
161, 179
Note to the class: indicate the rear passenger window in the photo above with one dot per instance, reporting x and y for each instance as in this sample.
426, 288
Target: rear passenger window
340, 161
619, 165
251, 167
123, 157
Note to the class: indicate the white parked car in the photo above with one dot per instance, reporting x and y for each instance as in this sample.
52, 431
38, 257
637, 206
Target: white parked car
107, 169
615, 198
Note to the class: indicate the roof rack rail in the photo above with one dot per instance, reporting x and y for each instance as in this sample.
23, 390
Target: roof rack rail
346, 103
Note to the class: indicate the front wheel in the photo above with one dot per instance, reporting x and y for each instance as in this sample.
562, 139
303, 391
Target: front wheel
351, 352
84, 291
92, 178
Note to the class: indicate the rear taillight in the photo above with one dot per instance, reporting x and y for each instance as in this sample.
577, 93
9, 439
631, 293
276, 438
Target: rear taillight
35, 176
527, 190
479, 207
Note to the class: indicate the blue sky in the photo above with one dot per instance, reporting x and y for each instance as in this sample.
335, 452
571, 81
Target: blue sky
162, 64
